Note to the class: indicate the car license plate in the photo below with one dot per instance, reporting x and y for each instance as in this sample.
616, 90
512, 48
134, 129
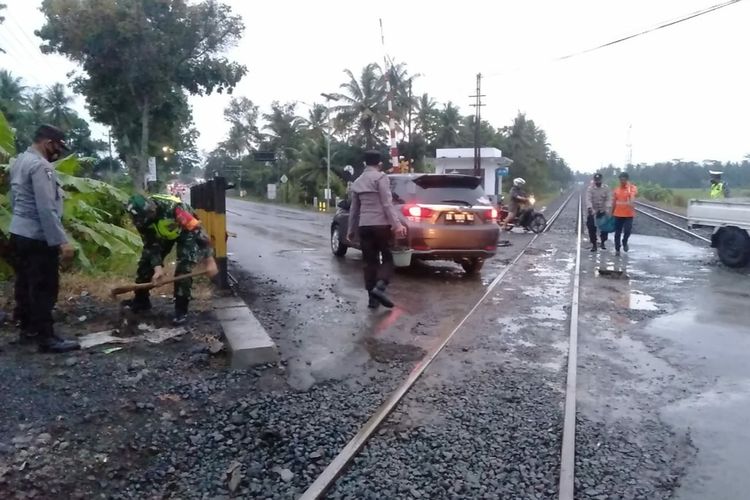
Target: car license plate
459, 218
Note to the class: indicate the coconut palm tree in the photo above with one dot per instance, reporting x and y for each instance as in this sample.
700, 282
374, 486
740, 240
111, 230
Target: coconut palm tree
60, 112
12, 95
448, 126
37, 109
363, 107
426, 116
316, 124
310, 171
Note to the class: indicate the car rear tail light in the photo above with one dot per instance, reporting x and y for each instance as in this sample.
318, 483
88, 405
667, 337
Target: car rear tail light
417, 212
491, 214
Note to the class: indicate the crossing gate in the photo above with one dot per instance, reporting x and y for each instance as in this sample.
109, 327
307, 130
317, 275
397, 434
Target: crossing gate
209, 200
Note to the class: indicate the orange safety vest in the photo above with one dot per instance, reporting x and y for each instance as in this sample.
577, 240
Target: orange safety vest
623, 198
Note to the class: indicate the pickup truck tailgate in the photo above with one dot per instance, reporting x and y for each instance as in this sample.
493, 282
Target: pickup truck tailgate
717, 213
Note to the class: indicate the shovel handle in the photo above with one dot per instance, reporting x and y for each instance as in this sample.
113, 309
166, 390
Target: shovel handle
148, 286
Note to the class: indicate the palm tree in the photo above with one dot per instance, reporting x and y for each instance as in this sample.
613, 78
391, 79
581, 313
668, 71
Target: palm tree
12, 96
448, 127
37, 109
426, 116
401, 81
316, 123
60, 112
244, 133
311, 169
363, 109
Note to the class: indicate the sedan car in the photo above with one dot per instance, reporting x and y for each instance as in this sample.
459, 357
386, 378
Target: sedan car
447, 217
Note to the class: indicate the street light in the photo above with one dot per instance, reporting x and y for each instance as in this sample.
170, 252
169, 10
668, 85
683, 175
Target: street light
329, 98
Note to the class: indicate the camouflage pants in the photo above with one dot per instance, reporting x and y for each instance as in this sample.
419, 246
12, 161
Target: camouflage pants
189, 252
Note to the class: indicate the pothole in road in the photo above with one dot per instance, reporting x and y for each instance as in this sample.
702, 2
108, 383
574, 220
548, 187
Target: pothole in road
384, 352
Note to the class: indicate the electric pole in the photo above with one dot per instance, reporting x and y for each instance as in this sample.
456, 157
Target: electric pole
477, 124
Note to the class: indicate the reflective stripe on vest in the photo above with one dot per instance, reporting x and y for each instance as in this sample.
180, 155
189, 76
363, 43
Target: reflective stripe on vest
717, 190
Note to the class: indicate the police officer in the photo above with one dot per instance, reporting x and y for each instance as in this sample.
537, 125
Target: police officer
719, 188
38, 239
164, 221
598, 204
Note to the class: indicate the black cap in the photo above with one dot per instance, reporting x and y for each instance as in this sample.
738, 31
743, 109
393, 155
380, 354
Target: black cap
624, 175
597, 177
372, 158
51, 133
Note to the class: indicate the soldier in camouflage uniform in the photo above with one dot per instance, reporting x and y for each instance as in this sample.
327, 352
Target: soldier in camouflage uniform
163, 221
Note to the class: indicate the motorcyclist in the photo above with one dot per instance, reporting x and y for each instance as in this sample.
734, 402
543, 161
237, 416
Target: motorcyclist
518, 200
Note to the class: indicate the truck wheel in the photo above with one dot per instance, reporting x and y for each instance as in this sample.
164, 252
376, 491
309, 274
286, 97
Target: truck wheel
473, 265
338, 247
734, 247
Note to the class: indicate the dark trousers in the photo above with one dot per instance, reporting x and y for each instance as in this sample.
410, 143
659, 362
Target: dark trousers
591, 225
37, 283
623, 227
376, 241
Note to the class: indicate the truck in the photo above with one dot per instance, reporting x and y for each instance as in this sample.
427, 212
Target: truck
730, 220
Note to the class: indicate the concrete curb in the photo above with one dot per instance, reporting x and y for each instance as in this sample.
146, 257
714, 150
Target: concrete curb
248, 342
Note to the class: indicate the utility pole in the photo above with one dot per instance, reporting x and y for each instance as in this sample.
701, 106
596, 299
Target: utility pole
629, 147
389, 89
477, 124
410, 108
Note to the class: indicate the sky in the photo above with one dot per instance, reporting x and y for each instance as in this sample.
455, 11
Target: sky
681, 91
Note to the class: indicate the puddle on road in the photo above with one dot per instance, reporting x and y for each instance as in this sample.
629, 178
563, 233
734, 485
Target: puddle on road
548, 313
295, 250
639, 301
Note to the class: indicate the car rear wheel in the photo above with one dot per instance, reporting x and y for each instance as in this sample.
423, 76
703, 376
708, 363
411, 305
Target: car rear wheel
473, 265
538, 223
338, 247
734, 247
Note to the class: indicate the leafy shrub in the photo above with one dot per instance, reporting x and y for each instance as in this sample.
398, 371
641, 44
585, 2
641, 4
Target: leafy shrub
93, 213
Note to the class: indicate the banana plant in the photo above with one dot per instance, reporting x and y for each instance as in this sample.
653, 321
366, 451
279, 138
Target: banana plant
93, 212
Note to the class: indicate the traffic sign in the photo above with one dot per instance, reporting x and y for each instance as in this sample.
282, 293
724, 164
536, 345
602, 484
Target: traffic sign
261, 156
501, 171
284, 179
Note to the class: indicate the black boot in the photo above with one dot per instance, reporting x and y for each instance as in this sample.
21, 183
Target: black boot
140, 303
180, 311
379, 294
55, 344
372, 302
26, 337
601, 245
593, 247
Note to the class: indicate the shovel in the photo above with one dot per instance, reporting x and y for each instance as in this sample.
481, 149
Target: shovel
210, 269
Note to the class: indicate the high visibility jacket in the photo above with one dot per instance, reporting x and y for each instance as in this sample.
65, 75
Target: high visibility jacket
719, 190
173, 217
624, 200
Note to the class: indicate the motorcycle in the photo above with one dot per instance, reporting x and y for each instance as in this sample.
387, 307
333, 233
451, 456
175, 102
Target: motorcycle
528, 218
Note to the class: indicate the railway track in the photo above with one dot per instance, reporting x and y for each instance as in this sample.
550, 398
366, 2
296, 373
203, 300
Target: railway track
566, 487
675, 221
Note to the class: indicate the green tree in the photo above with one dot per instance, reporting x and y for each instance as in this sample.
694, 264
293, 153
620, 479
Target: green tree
140, 56
362, 111
448, 127
58, 102
244, 133
12, 98
426, 117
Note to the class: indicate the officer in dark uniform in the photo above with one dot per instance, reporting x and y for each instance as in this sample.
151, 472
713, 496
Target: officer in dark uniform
164, 222
38, 239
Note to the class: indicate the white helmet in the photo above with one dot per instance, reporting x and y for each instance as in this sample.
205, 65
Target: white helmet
518, 181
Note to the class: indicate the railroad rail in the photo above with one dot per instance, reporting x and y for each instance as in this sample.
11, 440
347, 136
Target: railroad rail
647, 210
341, 462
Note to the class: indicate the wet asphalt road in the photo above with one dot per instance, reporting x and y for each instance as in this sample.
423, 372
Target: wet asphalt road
327, 331
664, 384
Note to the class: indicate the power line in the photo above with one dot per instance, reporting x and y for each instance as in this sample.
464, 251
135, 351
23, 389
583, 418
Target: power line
663, 25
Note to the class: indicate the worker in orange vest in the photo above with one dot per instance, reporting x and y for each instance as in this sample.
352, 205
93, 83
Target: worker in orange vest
623, 210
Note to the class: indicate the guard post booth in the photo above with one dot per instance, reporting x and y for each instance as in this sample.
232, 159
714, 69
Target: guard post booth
209, 200
461, 161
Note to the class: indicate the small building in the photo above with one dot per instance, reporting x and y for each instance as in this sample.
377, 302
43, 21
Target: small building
461, 161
